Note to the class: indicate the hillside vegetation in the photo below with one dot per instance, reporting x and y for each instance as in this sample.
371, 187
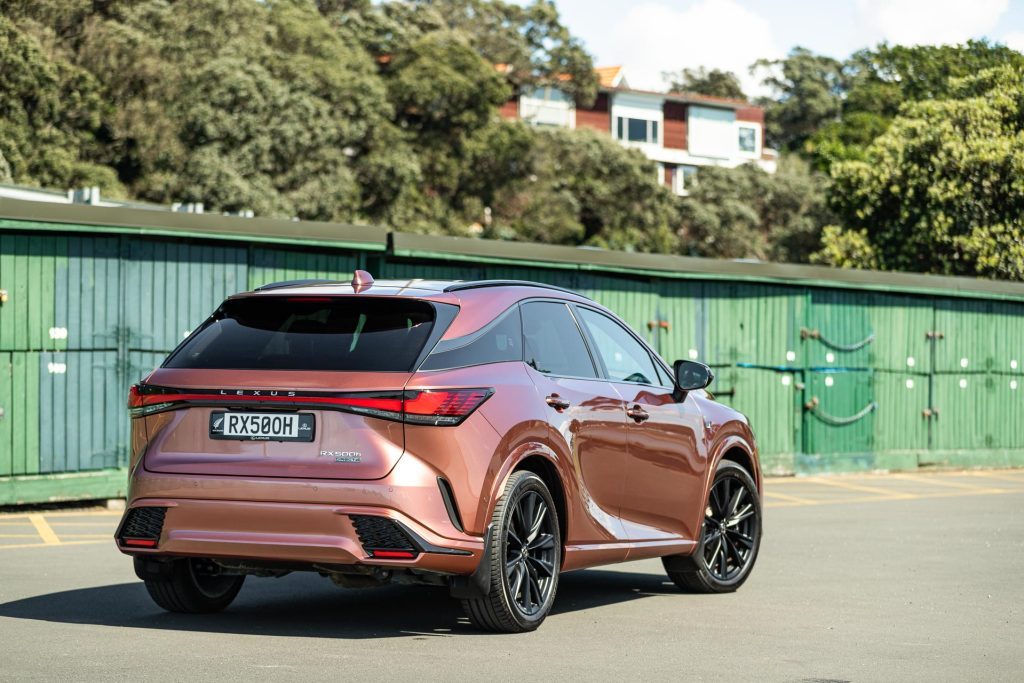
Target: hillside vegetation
386, 113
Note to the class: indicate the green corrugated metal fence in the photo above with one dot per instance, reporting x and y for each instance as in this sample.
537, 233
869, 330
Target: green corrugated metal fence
832, 378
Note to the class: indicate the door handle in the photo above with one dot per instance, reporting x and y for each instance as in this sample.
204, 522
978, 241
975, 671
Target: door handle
557, 402
637, 413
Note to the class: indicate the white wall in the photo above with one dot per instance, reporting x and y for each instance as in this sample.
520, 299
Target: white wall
711, 132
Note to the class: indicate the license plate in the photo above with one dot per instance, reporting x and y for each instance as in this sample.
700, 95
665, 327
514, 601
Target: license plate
262, 426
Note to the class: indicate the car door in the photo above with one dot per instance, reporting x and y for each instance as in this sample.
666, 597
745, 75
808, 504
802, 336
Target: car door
586, 410
667, 456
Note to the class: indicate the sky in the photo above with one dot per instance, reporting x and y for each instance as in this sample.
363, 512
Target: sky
648, 37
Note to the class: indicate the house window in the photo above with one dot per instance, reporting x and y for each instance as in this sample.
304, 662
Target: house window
748, 139
637, 130
684, 178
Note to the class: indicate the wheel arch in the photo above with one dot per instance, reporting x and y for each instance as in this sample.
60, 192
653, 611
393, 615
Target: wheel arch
544, 468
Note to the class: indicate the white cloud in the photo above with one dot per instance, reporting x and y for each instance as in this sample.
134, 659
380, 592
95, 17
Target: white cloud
911, 22
654, 37
1013, 40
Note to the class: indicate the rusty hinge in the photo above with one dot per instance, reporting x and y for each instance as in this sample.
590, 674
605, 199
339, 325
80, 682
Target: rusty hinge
934, 334
806, 333
812, 404
663, 324
929, 413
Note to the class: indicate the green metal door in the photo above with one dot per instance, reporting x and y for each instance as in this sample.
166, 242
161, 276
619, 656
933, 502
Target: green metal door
839, 417
88, 292
839, 332
752, 324
27, 266
770, 400
680, 320
83, 423
967, 412
965, 336
902, 418
170, 288
19, 422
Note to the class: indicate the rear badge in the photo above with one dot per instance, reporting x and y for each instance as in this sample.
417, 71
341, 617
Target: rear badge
343, 456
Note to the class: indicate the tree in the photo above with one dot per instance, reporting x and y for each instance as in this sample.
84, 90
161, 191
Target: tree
704, 81
877, 81
940, 190
748, 213
50, 115
807, 93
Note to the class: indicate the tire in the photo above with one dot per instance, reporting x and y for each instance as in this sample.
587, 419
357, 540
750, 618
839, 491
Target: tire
189, 589
523, 581
728, 548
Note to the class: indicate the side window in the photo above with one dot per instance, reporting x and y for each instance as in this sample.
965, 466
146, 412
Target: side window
664, 379
499, 341
624, 358
552, 342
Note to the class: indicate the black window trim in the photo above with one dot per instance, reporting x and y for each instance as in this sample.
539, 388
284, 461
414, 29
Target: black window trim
655, 358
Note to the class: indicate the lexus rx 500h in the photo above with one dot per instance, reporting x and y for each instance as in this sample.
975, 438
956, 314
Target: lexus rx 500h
483, 436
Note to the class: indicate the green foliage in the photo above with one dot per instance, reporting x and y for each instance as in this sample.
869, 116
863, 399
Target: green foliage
748, 213
704, 81
941, 190
807, 93
50, 116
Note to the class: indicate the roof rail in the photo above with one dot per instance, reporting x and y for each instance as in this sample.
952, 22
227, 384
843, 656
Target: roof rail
297, 283
480, 284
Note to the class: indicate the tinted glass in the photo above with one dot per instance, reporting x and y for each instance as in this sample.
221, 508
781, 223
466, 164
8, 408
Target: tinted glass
367, 334
624, 358
552, 342
498, 342
637, 130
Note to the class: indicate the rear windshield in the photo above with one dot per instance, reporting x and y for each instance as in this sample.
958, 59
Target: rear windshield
369, 334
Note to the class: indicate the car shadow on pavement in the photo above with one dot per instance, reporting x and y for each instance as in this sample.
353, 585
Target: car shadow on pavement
306, 605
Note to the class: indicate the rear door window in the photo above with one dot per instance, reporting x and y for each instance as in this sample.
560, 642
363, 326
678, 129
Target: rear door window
369, 334
552, 341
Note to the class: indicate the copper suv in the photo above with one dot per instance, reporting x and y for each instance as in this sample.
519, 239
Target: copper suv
483, 436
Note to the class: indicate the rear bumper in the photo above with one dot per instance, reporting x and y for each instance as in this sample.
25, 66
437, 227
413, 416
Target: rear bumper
302, 521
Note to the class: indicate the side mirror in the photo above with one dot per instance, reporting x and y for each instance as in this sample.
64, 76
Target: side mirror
692, 375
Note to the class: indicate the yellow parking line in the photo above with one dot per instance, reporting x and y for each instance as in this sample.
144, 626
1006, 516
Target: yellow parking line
19, 535
791, 499
88, 536
910, 496
933, 479
44, 530
49, 545
986, 475
886, 493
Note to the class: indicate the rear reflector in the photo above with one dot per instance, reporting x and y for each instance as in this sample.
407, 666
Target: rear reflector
440, 407
393, 554
139, 542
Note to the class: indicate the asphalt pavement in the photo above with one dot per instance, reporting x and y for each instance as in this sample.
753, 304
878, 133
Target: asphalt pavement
860, 578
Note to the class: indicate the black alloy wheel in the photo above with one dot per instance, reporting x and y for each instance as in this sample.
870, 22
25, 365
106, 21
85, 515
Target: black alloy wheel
730, 536
525, 558
530, 553
729, 530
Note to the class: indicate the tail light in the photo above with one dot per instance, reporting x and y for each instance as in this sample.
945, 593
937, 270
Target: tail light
438, 407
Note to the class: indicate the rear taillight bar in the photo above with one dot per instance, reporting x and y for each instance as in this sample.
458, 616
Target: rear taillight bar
438, 407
